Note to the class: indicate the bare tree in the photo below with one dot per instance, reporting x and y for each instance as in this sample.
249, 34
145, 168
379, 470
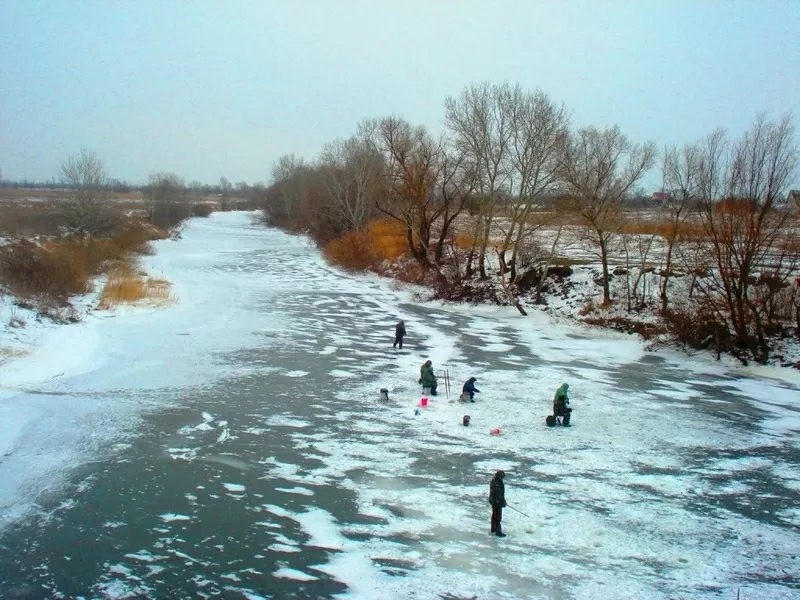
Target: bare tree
751, 238
480, 123
166, 199
598, 169
352, 174
681, 169
412, 160
292, 172
455, 186
86, 209
225, 188
537, 127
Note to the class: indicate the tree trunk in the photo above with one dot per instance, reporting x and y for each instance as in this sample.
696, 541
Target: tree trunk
543, 275
604, 260
665, 279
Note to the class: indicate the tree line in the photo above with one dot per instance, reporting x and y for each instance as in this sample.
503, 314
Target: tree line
490, 198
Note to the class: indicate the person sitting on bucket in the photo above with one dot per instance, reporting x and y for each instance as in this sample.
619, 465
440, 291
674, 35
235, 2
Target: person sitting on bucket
427, 378
561, 404
497, 498
469, 388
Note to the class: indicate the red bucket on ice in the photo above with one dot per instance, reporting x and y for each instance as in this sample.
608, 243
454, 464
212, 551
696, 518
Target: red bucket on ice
423, 401
495, 431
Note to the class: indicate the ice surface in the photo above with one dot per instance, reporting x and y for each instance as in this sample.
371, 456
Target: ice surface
287, 573
234, 487
168, 517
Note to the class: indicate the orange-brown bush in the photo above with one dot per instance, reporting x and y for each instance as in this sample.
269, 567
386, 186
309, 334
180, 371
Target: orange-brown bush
387, 238
52, 271
352, 250
362, 249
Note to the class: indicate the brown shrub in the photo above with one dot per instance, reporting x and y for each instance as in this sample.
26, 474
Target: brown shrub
697, 328
387, 238
352, 250
202, 210
55, 271
135, 238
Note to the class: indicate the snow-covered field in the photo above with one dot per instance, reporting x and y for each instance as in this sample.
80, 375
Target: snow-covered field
235, 444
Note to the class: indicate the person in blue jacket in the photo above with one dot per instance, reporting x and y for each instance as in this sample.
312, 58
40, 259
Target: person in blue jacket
469, 388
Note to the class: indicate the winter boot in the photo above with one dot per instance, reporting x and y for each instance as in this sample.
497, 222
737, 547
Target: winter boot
499, 532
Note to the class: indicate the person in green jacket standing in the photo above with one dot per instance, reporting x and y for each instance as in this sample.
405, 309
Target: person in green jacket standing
561, 404
427, 378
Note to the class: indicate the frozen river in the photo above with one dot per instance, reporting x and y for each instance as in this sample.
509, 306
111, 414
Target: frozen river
233, 446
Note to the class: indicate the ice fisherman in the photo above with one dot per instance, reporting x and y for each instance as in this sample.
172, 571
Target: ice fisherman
427, 378
497, 498
399, 334
561, 404
469, 388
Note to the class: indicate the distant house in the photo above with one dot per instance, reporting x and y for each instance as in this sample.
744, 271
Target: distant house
659, 198
793, 200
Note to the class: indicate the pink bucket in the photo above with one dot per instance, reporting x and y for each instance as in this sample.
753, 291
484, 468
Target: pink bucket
495, 431
423, 401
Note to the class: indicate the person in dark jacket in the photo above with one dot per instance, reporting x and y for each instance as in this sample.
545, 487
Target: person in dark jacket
427, 378
561, 404
497, 498
469, 388
399, 334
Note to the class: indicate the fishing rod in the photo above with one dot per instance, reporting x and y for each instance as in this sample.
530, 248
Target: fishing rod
519, 511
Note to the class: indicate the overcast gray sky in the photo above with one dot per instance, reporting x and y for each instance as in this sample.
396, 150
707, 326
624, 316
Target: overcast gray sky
213, 88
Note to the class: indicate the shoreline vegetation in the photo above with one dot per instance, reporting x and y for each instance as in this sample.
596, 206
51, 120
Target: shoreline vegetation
514, 205
70, 248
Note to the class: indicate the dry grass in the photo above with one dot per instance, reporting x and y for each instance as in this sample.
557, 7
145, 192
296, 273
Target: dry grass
687, 230
25, 194
128, 285
50, 272
464, 241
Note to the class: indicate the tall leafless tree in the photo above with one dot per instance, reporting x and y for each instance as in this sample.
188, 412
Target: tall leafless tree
225, 190
681, 169
292, 172
751, 237
598, 169
538, 125
165, 199
351, 171
412, 163
86, 209
479, 120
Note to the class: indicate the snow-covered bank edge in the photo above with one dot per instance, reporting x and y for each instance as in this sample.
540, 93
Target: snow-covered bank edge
48, 422
564, 311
